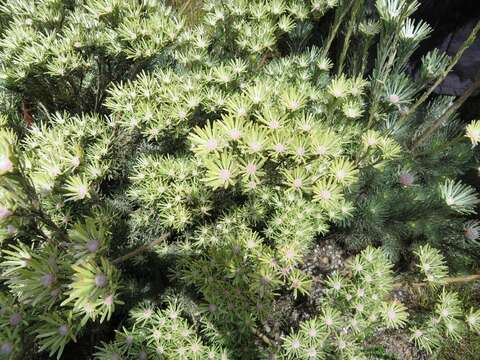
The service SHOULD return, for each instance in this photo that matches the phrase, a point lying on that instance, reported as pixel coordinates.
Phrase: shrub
(228, 148)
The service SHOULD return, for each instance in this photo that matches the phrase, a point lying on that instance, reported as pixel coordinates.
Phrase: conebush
(165, 183)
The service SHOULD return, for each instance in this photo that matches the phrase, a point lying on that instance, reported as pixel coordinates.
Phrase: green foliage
(356, 306)
(449, 319)
(431, 264)
(206, 161)
(353, 308)
(167, 333)
(64, 54)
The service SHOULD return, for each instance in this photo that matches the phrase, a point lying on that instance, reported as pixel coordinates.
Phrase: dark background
(452, 21)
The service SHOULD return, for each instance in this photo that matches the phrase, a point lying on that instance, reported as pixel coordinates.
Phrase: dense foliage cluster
(356, 306)
(171, 179)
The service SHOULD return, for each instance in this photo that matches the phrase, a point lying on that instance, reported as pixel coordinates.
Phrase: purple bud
(76, 161)
(142, 355)
(212, 307)
(92, 245)
(15, 319)
(4, 213)
(101, 280)
(54, 293)
(394, 99)
(264, 280)
(108, 300)
(471, 233)
(6, 348)
(406, 179)
(47, 280)
(114, 356)
(63, 330)
(129, 340)
(11, 229)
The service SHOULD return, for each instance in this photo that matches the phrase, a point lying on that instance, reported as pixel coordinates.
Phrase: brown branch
(27, 113)
(444, 281)
(446, 115)
(141, 249)
(262, 337)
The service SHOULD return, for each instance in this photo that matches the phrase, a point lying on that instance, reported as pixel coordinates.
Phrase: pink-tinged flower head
(4, 213)
(471, 233)
(6, 348)
(297, 183)
(251, 169)
(82, 191)
(129, 340)
(48, 280)
(108, 300)
(211, 145)
(6, 165)
(101, 280)
(325, 195)
(280, 148)
(235, 134)
(225, 174)
(63, 330)
(11, 229)
(93, 245)
(15, 319)
(406, 179)
(394, 99)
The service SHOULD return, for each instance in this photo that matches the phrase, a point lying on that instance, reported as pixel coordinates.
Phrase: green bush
(182, 175)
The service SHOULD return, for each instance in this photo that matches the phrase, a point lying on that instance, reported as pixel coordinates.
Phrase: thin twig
(363, 65)
(262, 337)
(43, 218)
(185, 6)
(335, 26)
(444, 281)
(381, 71)
(471, 38)
(37, 212)
(141, 249)
(348, 35)
(441, 147)
(446, 115)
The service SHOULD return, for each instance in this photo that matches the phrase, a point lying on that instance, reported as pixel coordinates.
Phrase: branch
(471, 38)
(262, 337)
(346, 40)
(43, 218)
(446, 115)
(35, 210)
(141, 249)
(444, 281)
(336, 25)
